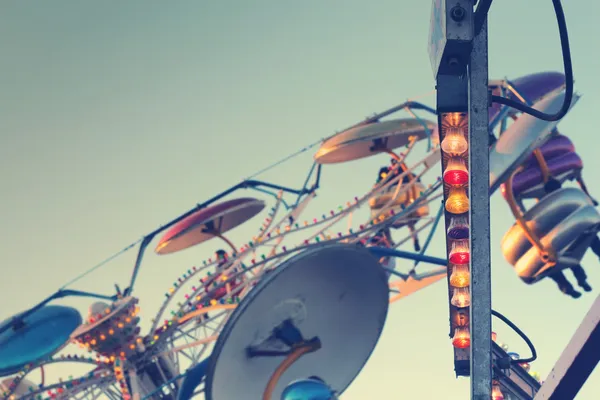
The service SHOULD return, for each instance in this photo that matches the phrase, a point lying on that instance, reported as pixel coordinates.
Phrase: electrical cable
(568, 70)
(522, 335)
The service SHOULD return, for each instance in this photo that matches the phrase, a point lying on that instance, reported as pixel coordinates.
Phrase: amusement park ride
(271, 312)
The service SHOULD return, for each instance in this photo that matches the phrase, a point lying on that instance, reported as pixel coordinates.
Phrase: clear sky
(118, 116)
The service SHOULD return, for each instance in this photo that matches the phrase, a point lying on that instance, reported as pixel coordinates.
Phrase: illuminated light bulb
(459, 228)
(454, 141)
(461, 318)
(526, 366)
(460, 277)
(456, 172)
(461, 338)
(459, 253)
(461, 298)
(496, 392)
(514, 356)
(494, 336)
(457, 202)
(535, 375)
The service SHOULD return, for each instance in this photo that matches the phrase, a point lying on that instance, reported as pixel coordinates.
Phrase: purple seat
(530, 182)
(555, 147)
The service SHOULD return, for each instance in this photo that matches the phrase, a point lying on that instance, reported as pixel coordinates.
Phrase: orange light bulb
(497, 392)
(454, 141)
(460, 318)
(457, 202)
(494, 336)
(460, 277)
(461, 338)
(456, 172)
(459, 253)
(461, 297)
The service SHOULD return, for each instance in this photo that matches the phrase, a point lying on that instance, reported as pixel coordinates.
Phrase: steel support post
(577, 360)
(481, 288)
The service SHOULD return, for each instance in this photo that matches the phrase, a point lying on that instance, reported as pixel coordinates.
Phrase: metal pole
(481, 288)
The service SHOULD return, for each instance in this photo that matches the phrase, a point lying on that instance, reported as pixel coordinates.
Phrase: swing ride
(270, 313)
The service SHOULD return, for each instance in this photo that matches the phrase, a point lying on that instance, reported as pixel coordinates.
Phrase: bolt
(453, 62)
(458, 13)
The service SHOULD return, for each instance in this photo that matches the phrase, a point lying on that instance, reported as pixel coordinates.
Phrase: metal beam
(479, 217)
(514, 381)
(577, 360)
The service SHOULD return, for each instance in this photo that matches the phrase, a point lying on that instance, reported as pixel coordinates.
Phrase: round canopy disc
(44, 332)
(205, 224)
(338, 293)
(359, 142)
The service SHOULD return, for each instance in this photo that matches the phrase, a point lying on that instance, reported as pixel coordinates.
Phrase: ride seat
(563, 163)
(564, 220)
(400, 202)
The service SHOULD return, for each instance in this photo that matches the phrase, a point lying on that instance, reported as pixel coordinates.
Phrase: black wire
(523, 336)
(568, 67)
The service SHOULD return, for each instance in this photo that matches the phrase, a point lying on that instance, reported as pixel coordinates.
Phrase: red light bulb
(456, 172)
(460, 252)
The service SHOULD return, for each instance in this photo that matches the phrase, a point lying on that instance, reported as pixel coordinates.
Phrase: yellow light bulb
(454, 142)
(457, 202)
(461, 298)
(460, 277)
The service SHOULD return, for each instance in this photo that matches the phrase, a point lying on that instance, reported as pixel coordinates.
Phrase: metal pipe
(479, 217)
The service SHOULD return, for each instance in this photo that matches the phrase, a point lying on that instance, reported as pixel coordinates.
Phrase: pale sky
(116, 117)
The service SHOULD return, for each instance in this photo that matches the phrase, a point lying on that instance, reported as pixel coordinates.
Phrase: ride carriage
(555, 233)
(397, 197)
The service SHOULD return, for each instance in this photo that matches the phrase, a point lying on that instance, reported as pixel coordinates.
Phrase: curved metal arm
(541, 160)
(288, 362)
(17, 320)
(242, 185)
(547, 255)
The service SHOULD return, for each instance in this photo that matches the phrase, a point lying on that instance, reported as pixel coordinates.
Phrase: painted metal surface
(322, 291)
(40, 335)
(373, 138)
(531, 87)
(577, 360)
(584, 221)
(208, 223)
(544, 216)
(480, 162)
(521, 138)
(530, 182)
